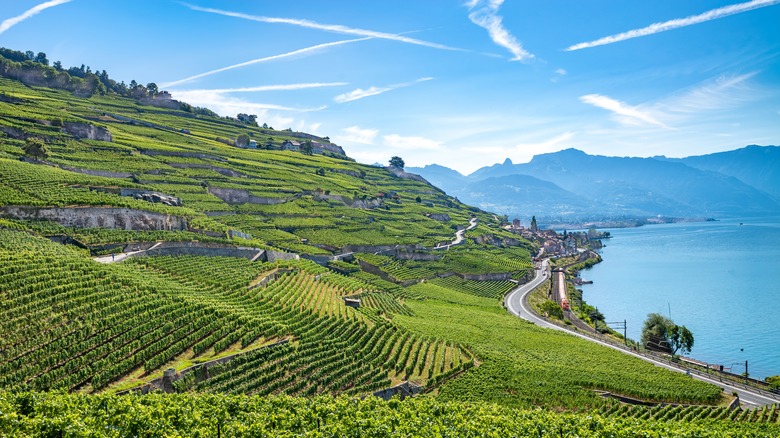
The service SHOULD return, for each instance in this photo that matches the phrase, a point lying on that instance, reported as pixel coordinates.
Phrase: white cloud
(355, 134)
(560, 72)
(219, 102)
(724, 91)
(410, 143)
(304, 51)
(35, 10)
(373, 91)
(359, 94)
(677, 23)
(483, 13)
(627, 114)
(337, 28)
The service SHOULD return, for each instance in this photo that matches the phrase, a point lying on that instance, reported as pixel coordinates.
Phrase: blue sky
(460, 83)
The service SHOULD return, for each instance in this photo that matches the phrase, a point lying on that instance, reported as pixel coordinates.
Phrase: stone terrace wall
(203, 249)
(93, 217)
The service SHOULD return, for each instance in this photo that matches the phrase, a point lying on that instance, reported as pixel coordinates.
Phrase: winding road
(517, 304)
(460, 235)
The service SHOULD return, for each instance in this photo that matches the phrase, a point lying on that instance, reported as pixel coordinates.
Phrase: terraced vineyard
(274, 326)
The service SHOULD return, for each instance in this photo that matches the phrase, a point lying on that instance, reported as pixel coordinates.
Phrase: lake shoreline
(706, 274)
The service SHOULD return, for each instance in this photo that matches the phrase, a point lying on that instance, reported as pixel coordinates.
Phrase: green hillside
(254, 260)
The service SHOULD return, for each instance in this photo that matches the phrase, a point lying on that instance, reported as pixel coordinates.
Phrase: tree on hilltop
(397, 161)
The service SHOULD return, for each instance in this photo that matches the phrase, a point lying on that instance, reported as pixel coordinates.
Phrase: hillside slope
(226, 301)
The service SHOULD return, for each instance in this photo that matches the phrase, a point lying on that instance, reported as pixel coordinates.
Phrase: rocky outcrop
(94, 217)
(162, 101)
(349, 202)
(155, 197)
(441, 217)
(400, 173)
(241, 196)
(13, 132)
(417, 256)
(86, 131)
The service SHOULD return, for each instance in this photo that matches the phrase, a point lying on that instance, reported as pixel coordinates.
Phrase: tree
(552, 309)
(306, 148)
(152, 89)
(242, 140)
(534, 227)
(662, 334)
(250, 119)
(595, 316)
(397, 161)
(681, 339)
(41, 58)
(57, 65)
(35, 148)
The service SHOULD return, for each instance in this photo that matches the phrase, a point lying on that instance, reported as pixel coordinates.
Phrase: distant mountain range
(572, 185)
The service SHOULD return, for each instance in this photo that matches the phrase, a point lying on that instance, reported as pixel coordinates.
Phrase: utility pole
(746, 372)
(621, 325)
(625, 333)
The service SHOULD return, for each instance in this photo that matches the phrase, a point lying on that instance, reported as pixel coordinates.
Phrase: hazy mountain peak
(507, 162)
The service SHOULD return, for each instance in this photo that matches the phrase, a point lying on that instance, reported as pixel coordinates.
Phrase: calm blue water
(720, 279)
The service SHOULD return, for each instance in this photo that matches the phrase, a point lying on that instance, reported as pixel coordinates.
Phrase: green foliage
(398, 162)
(36, 148)
(552, 309)
(660, 333)
(33, 414)
(681, 339)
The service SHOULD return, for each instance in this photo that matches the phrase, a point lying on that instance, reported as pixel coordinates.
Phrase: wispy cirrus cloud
(373, 91)
(484, 13)
(282, 87)
(695, 104)
(626, 114)
(724, 91)
(712, 14)
(35, 10)
(360, 93)
(337, 28)
(305, 51)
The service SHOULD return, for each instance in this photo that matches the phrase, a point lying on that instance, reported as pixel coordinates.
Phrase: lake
(720, 279)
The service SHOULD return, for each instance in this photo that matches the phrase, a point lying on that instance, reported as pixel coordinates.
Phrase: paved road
(460, 235)
(517, 304)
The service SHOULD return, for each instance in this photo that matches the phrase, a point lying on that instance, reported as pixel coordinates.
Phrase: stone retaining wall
(93, 217)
